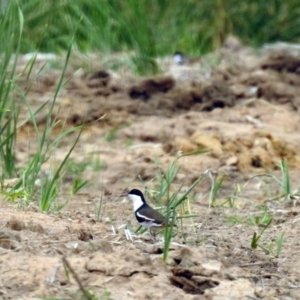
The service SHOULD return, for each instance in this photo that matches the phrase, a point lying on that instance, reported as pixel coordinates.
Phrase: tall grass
(258, 22)
(9, 111)
(155, 28)
(32, 185)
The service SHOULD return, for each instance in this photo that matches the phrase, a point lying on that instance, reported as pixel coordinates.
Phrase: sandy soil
(240, 103)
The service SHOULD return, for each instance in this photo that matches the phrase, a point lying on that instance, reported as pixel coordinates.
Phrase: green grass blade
(286, 184)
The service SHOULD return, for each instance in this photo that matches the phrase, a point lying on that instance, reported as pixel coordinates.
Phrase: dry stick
(85, 293)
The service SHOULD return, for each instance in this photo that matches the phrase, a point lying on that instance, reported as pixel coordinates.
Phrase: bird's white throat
(137, 201)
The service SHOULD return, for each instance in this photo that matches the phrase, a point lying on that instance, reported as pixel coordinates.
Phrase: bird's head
(137, 198)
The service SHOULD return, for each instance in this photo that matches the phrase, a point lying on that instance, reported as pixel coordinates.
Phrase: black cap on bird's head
(136, 192)
(178, 53)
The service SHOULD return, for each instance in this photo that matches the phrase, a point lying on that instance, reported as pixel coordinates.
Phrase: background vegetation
(156, 27)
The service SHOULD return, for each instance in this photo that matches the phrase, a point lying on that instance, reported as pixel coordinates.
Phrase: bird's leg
(152, 233)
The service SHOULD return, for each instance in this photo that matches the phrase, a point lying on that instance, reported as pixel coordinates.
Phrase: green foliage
(285, 184)
(256, 236)
(111, 135)
(32, 184)
(284, 191)
(258, 22)
(274, 247)
(99, 207)
(77, 168)
(260, 219)
(232, 198)
(152, 28)
(16, 194)
(234, 219)
(48, 185)
(79, 184)
(175, 199)
(215, 188)
(9, 110)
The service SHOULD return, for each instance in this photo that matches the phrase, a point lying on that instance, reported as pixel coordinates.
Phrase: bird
(145, 214)
(180, 59)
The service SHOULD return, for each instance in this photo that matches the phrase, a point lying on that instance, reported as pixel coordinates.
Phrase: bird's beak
(124, 195)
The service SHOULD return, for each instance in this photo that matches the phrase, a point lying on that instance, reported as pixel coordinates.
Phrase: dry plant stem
(85, 293)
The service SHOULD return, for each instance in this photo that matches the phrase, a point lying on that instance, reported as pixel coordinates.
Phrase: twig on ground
(85, 293)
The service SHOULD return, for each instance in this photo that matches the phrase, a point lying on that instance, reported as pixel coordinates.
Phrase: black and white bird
(180, 59)
(146, 215)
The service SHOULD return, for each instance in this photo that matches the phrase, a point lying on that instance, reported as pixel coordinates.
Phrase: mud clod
(148, 87)
(16, 224)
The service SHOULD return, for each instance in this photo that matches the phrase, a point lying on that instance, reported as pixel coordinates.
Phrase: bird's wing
(153, 216)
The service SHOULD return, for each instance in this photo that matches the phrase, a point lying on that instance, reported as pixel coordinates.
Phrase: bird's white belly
(150, 224)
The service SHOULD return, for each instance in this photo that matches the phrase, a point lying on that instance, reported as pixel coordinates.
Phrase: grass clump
(257, 236)
(32, 184)
(48, 184)
(175, 199)
(9, 110)
(274, 247)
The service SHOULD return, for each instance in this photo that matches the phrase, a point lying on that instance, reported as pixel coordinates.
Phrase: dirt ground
(240, 103)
